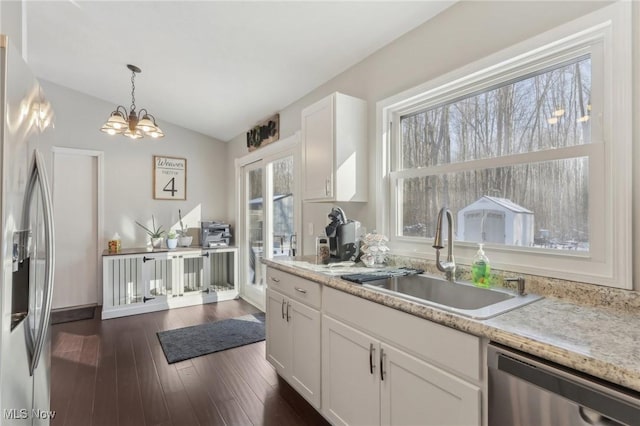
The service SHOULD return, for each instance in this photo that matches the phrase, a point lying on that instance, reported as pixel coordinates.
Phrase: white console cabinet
(334, 149)
(136, 281)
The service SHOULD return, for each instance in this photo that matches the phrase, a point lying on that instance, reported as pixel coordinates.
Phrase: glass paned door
(254, 237)
(269, 212)
(281, 211)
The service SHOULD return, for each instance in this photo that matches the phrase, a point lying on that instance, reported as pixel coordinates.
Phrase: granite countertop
(600, 341)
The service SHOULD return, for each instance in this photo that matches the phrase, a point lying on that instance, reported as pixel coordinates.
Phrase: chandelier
(134, 125)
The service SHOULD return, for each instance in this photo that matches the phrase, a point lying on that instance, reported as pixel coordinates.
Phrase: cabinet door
(350, 382)
(304, 325)
(414, 392)
(220, 270)
(317, 142)
(278, 334)
(123, 282)
(157, 276)
(192, 274)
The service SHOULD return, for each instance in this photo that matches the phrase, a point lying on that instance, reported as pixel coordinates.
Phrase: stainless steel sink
(458, 297)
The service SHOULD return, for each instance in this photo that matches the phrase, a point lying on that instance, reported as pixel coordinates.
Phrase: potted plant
(184, 240)
(172, 239)
(155, 234)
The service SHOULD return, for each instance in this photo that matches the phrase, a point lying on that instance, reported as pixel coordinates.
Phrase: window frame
(606, 36)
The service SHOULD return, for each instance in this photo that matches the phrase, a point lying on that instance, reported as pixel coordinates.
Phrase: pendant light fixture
(134, 125)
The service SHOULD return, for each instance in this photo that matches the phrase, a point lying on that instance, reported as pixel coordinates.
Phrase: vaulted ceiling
(213, 67)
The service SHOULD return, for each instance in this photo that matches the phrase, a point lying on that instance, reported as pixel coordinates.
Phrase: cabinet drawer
(450, 349)
(305, 291)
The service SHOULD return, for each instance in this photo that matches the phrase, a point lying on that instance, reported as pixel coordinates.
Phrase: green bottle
(480, 269)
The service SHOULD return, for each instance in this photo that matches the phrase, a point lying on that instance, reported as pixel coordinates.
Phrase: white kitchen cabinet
(293, 332)
(376, 369)
(143, 281)
(350, 380)
(414, 392)
(334, 149)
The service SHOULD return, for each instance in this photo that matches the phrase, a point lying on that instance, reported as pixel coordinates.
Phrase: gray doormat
(68, 315)
(190, 342)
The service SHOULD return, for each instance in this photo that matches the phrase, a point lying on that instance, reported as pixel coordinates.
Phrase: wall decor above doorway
(169, 178)
(264, 133)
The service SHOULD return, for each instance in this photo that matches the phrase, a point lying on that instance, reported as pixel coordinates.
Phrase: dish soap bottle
(480, 269)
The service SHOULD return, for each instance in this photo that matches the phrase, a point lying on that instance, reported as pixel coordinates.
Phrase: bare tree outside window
(548, 110)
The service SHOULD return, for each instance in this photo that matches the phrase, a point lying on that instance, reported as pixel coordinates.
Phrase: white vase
(172, 243)
(156, 242)
(185, 241)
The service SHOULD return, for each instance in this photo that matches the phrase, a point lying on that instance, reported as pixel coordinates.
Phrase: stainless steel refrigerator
(27, 254)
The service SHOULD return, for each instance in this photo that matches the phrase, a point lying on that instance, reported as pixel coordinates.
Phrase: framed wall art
(169, 178)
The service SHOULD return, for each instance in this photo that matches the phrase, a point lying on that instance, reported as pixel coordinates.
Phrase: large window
(530, 151)
(539, 203)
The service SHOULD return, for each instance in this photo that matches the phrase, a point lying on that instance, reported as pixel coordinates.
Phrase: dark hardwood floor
(114, 372)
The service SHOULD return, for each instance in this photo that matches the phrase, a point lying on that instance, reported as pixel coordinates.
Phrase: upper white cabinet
(334, 149)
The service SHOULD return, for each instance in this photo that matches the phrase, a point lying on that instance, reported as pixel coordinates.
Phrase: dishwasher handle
(606, 400)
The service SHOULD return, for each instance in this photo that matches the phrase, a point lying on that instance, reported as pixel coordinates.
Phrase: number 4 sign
(169, 178)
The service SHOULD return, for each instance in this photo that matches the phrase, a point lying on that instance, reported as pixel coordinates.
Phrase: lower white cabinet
(151, 281)
(293, 341)
(362, 363)
(350, 379)
(367, 381)
(415, 392)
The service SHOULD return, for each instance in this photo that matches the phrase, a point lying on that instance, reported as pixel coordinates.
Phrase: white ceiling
(214, 67)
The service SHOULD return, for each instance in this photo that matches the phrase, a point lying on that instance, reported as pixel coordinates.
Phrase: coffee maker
(343, 236)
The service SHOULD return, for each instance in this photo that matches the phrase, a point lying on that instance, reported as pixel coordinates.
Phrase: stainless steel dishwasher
(528, 391)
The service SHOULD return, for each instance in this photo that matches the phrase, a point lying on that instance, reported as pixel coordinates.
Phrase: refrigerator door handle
(38, 174)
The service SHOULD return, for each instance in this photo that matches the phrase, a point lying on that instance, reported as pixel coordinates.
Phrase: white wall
(128, 166)
(11, 14)
(464, 33)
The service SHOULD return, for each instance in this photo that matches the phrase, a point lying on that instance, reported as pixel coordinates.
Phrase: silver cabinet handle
(282, 308)
(301, 290)
(372, 353)
(327, 186)
(288, 316)
(382, 357)
(275, 280)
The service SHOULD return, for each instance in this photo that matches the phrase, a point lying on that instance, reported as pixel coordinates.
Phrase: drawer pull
(372, 353)
(288, 316)
(301, 290)
(382, 356)
(282, 308)
(275, 279)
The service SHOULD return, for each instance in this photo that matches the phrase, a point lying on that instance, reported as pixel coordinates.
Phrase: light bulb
(111, 131)
(117, 126)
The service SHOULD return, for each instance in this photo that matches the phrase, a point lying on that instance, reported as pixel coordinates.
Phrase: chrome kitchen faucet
(448, 267)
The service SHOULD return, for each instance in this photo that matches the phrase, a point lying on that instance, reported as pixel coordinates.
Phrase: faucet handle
(520, 283)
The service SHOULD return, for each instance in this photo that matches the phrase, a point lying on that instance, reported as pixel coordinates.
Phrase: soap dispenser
(480, 269)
